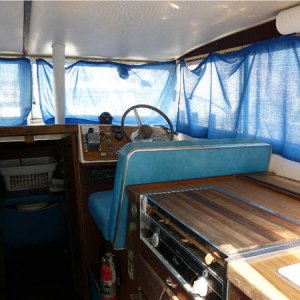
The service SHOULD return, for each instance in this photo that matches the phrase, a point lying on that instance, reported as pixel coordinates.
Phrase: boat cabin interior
(149, 150)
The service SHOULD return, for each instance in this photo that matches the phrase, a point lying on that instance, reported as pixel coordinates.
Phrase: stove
(196, 232)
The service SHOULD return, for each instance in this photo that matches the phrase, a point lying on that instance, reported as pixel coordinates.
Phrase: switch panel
(101, 142)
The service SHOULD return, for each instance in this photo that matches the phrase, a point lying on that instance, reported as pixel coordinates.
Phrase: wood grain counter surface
(224, 212)
(226, 220)
(259, 279)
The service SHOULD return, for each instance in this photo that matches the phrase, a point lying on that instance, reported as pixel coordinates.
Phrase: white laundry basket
(27, 173)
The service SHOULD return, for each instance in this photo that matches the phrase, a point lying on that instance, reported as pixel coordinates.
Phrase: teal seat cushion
(99, 205)
(141, 163)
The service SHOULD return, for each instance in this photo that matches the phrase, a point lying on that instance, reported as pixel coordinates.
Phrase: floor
(41, 272)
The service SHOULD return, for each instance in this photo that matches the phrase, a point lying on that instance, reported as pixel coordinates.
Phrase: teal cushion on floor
(99, 205)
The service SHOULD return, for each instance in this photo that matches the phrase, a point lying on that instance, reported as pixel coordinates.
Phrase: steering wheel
(146, 131)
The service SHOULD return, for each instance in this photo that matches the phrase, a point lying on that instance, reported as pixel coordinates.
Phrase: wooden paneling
(236, 294)
(110, 144)
(68, 147)
(37, 130)
(248, 36)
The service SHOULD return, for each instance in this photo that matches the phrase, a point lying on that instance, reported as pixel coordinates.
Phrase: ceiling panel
(138, 30)
(11, 27)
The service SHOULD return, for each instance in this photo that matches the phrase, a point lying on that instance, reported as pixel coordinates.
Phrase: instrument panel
(101, 142)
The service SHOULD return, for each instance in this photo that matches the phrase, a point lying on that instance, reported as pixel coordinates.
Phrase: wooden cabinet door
(150, 284)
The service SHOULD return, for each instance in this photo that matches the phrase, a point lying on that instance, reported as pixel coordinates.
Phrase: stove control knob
(200, 286)
(154, 240)
(209, 259)
(134, 210)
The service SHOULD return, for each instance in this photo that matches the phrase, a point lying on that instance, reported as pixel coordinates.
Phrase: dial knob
(119, 136)
(154, 240)
(134, 210)
(209, 259)
(200, 286)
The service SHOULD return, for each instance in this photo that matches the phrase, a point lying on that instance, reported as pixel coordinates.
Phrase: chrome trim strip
(169, 148)
(264, 250)
(175, 274)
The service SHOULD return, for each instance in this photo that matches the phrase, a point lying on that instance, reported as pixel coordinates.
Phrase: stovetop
(228, 221)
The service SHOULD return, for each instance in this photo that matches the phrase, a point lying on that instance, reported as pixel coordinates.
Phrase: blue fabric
(254, 92)
(15, 200)
(141, 163)
(23, 228)
(190, 163)
(45, 90)
(16, 91)
(95, 87)
(99, 205)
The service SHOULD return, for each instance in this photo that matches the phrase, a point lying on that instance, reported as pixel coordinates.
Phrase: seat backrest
(141, 163)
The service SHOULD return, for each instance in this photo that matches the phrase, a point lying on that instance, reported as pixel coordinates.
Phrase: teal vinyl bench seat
(100, 204)
(141, 163)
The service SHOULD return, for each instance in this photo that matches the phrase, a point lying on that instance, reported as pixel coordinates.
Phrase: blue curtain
(95, 87)
(45, 90)
(254, 92)
(15, 92)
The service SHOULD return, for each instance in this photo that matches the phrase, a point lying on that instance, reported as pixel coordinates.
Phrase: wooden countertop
(227, 221)
(259, 279)
(268, 195)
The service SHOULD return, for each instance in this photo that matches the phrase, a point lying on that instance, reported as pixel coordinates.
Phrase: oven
(182, 252)
(195, 233)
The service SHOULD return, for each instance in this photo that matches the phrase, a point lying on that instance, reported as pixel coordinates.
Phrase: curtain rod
(204, 55)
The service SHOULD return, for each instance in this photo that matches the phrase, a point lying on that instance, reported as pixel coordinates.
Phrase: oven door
(200, 281)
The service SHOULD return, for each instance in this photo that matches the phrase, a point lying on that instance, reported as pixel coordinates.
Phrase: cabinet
(147, 261)
(60, 142)
(147, 276)
(150, 284)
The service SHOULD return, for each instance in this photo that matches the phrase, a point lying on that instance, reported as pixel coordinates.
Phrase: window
(94, 87)
(15, 92)
(253, 92)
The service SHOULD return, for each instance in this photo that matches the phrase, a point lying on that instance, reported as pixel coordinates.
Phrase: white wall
(284, 167)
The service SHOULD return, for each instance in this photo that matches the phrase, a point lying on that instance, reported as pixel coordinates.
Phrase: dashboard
(101, 142)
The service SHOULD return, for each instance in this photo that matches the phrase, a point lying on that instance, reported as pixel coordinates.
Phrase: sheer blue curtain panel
(15, 92)
(95, 87)
(253, 92)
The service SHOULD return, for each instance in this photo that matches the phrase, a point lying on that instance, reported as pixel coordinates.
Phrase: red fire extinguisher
(108, 278)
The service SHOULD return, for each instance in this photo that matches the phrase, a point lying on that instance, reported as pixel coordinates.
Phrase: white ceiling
(133, 30)
(11, 27)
